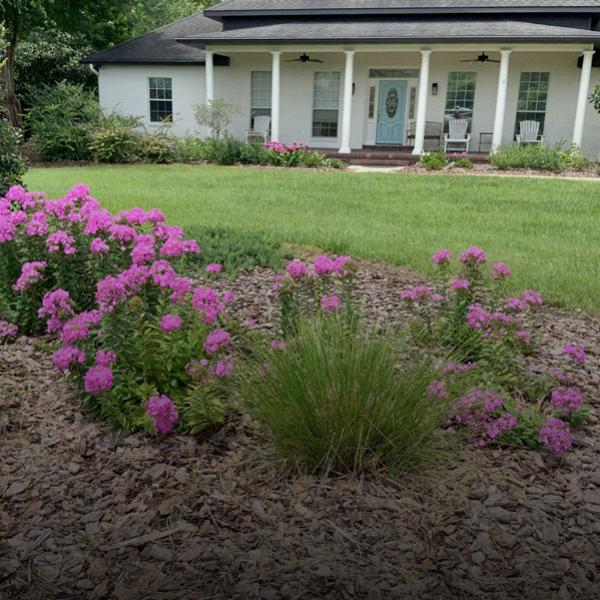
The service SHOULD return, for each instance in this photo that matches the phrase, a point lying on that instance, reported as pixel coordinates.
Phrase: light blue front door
(392, 108)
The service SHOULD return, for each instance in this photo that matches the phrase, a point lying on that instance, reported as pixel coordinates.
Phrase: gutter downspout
(93, 69)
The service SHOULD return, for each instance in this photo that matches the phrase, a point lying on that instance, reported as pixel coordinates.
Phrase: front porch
(376, 102)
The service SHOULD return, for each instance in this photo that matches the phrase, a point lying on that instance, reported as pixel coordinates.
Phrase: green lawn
(547, 230)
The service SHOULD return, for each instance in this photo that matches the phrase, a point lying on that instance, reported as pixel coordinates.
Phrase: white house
(346, 74)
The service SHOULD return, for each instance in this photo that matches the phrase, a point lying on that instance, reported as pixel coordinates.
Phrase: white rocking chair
(529, 133)
(457, 134)
(261, 128)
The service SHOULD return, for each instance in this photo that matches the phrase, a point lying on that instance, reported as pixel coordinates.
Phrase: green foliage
(335, 401)
(61, 121)
(12, 163)
(157, 148)
(225, 151)
(539, 158)
(216, 115)
(46, 57)
(461, 162)
(237, 250)
(433, 161)
(595, 98)
(115, 143)
(189, 149)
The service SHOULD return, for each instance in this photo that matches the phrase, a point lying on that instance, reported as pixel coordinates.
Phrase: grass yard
(547, 230)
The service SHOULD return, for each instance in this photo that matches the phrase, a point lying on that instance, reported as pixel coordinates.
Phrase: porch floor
(387, 156)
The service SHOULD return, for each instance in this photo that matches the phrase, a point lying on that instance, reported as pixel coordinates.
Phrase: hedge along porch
(348, 90)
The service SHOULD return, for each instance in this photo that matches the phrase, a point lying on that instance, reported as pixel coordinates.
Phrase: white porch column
(275, 94)
(422, 102)
(501, 99)
(209, 74)
(347, 106)
(584, 88)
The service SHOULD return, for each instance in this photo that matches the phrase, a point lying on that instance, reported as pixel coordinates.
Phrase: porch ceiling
(394, 31)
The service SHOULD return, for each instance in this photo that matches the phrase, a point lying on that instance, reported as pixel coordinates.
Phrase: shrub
(145, 347)
(253, 154)
(226, 151)
(335, 400)
(116, 143)
(216, 115)
(539, 158)
(236, 250)
(190, 149)
(61, 121)
(460, 161)
(433, 161)
(12, 163)
(157, 148)
(466, 314)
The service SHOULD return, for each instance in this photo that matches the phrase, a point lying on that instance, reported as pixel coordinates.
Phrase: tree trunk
(11, 102)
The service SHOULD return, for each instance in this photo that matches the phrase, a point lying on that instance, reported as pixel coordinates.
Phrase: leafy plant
(433, 161)
(539, 158)
(12, 163)
(216, 115)
(236, 250)
(460, 162)
(336, 401)
(117, 143)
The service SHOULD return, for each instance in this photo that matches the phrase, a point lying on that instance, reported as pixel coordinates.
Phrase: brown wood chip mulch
(85, 515)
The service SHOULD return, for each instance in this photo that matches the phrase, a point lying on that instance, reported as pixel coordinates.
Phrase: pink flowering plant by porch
(464, 311)
(286, 155)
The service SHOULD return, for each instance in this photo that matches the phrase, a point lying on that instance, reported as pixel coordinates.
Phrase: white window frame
(150, 100)
(268, 96)
(536, 111)
(464, 91)
(326, 138)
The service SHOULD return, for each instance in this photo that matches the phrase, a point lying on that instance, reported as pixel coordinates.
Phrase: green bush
(157, 148)
(116, 144)
(190, 149)
(317, 160)
(461, 162)
(539, 158)
(236, 250)
(433, 161)
(253, 154)
(61, 121)
(12, 163)
(226, 151)
(336, 401)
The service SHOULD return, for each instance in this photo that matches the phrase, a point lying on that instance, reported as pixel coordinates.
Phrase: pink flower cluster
(280, 148)
(416, 294)
(216, 340)
(576, 353)
(162, 412)
(209, 305)
(555, 436)
(331, 303)
(98, 379)
(473, 256)
(484, 415)
(56, 307)
(567, 399)
(8, 330)
(31, 273)
(170, 323)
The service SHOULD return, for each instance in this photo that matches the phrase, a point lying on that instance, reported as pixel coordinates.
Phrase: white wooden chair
(457, 134)
(261, 128)
(529, 133)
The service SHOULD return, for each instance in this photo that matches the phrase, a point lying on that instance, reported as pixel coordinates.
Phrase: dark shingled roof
(396, 30)
(231, 7)
(160, 45)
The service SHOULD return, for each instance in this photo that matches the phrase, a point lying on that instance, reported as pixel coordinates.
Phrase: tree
(216, 115)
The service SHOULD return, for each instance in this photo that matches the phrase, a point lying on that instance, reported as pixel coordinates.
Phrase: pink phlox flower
(458, 368)
(165, 232)
(576, 353)
(98, 246)
(123, 233)
(416, 294)
(38, 226)
(473, 256)
(162, 412)
(555, 436)
(296, 269)
(64, 358)
(97, 221)
(110, 291)
(134, 278)
(154, 215)
(74, 330)
(567, 399)
(8, 330)
(532, 297)
(169, 323)
(524, 336)
(97, 380)
(331, 303)
(461, 284)
(106, 358)
(78, 192)
(214, 268)
(501, 271)
(340, 264)
(174, 247)
(134, 216)
(56, 306)
(324, 265)
(206, 301)
(441, 257)
(216, 340)
(7, 230)
(61, 240)
(515, 304)
(278, 345)
(477, 316)
(31, 273)
(143, 251)
(223, 367)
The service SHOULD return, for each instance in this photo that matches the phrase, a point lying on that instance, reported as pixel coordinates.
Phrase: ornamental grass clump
(336, 401)
(465, 312)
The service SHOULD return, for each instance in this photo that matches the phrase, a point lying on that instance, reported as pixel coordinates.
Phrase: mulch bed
(85, 515)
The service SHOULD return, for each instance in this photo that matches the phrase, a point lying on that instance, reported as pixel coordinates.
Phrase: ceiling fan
(483, 58)
(304, 58)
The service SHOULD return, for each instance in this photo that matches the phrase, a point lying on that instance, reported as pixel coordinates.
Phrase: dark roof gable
(160, 46)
